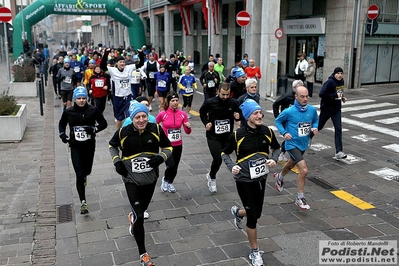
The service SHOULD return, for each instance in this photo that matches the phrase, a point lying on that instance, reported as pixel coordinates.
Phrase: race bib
(139, 165)
(68, 80)
(162, 83)
(211, 84)
(303, 129)
(124, 84)
(174, 135)
(189, 90)
(80, 133)
(258, 168)
(135, 77)
(222, 126)
(76, 69)
(99, 83)
(151, 75)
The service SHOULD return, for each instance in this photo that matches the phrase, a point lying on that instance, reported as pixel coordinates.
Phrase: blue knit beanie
(79, 92)
(136, 108)
(248, 107)
(239, 74)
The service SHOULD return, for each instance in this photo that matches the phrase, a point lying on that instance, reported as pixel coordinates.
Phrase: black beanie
(171, 96)
(141, 98)
(338, 69)
(119, 59)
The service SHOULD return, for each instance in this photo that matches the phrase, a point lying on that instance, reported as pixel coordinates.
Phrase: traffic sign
(279, 33)
(5, 14)
(243, 18)
(372, 27)
(373, 12)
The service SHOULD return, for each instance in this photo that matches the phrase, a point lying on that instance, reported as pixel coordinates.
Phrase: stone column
(253, 34)
(156, 33)
(268, 83)
(231, 37)
(168, 31)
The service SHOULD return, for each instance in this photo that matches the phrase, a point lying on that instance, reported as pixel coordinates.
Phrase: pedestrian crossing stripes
(386, 173)
(392, 147)
(366, 107)
(377, 113)
(388, 121)
(364, 138)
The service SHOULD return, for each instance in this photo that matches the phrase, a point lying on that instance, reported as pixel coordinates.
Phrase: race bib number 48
(304, 129)
(174, 135)
(222, 126)
(258, 168)
(139, 165)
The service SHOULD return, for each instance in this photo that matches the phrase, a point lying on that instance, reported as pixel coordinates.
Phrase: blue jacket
(77, 67)
(162, 80)
(298, 124)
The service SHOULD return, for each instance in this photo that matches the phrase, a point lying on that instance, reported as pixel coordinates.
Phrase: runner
(172, 120)
(84, 122)
(218, 115)
(251, 144)
(187, 84)
(299, 120)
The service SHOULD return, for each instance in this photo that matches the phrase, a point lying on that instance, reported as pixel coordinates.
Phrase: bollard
(44, 97)
(41, 96)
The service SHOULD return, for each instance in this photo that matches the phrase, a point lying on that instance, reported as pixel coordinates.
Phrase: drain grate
(64, 213)
(322, 183)
(185, 198)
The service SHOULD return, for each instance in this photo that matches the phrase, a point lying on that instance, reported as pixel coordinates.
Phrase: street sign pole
(7, 56)
(371, 29)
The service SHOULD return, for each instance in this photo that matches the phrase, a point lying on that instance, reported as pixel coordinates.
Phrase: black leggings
(82, 161)
(55, 85)
(100, 103)
(215, 147)
(187, 100)
(252, 195)
(139, 198)
(172, 163)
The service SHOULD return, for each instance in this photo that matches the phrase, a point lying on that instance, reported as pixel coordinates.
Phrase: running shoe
(282, 158)
(171, 188)
(132, 219)
(237, 218)
(164, 185)
(189, 116)
(146, 214)
(302, 204)
(84, 209)
(211, 184)
(279, 182)
(256, 257)
(109, 102)
(150, 108)
(340, 155)
(146, 260)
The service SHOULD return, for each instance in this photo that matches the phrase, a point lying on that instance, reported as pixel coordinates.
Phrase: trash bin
(282, 83)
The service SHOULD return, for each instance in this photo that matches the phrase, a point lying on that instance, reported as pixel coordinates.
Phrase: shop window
(388, 11)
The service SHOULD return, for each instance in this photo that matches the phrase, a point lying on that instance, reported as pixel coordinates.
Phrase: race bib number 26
(139, 165)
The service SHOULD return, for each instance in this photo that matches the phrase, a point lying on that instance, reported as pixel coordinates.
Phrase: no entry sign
(243, 18)
(5, 14)
(373, 12)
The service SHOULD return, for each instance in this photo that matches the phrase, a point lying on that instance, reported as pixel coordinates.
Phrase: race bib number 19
(258, 168)
(304, 129)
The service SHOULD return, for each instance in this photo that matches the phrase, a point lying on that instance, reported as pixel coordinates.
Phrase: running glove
(64, 137)
(120, 168)
(155, 161)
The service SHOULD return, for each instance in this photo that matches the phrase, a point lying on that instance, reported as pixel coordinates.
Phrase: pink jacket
(172, 121)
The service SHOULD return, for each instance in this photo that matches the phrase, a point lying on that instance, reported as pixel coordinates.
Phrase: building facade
(333, 32)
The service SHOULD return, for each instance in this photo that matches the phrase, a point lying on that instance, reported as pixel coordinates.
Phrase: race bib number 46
(258, 168)
(222, 126)
(304, 129)
(81, 134)
(139, 165)
(174, 135)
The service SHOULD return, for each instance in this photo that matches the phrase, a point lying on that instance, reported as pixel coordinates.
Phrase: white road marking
(388, 121)
(332, 129)
(350, 159)
(386, 173)
(358, 102)
(377, 113)
(319, 147)
(364, 138)
(392, 147)
(372, 127)
(366, 107)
